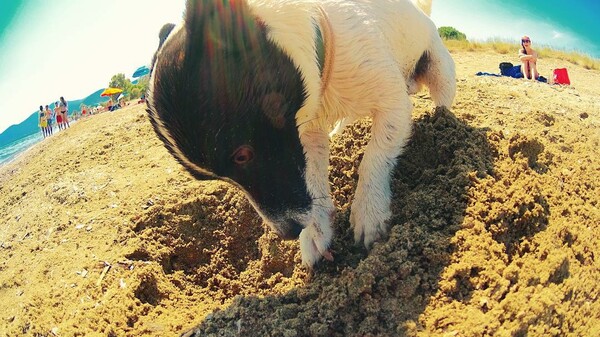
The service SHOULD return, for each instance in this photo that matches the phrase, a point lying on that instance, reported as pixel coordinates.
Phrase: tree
(120, 81)
(451, 33)
(130, 90)
(142, 85)
(135, 92)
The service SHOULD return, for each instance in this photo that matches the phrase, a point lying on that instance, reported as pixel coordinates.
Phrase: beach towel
(481, 73)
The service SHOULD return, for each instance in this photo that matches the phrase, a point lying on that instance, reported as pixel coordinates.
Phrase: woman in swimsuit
(528, 57)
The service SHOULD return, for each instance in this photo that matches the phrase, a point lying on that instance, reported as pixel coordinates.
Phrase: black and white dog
(247, 91)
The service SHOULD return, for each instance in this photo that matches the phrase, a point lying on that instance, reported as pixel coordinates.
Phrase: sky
(72, 48)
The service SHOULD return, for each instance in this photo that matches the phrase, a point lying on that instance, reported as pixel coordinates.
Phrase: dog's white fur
(376, 47)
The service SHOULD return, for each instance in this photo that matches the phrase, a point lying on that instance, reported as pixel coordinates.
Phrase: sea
(11, 150)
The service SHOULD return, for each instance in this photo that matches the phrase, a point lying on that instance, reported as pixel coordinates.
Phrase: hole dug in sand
(207, 249)
(216, 231)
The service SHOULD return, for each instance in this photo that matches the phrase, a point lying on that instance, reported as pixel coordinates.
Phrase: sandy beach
(494, 230)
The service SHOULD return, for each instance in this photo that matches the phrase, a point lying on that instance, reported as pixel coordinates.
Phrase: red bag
(561, 76)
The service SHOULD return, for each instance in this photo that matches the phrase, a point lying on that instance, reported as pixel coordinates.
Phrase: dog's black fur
(223, 100)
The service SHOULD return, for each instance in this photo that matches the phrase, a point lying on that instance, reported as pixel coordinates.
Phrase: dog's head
(223, 99)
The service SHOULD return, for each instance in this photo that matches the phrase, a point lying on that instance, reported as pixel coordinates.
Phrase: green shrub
(135, 93)
(451, 33)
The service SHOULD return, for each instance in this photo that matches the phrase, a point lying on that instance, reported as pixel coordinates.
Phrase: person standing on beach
(43, 121)
(64, 110)
(59, 119)
(50, 118)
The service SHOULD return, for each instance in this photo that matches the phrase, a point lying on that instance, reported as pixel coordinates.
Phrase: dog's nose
(291, 230)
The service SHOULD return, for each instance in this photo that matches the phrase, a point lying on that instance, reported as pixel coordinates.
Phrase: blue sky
(71, 48)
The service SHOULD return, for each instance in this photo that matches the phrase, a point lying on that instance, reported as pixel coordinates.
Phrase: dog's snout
(290, 230)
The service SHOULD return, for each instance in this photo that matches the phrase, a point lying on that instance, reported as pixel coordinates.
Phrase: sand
(494, 230)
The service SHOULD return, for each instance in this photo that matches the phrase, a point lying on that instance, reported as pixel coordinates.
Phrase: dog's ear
(162, 37)
(274, 107)
(218, 25)
(164, 33)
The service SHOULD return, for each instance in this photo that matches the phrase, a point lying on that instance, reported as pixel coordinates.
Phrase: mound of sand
(494, 231)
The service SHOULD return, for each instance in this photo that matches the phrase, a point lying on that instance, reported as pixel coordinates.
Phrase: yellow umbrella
(111, 91)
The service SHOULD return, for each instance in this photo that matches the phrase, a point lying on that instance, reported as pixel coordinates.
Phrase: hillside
(494, 231)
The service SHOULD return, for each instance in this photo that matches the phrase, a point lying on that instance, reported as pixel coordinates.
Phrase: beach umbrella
(141, 71)
(111, 91)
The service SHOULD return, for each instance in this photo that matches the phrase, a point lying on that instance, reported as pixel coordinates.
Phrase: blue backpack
(508, 69)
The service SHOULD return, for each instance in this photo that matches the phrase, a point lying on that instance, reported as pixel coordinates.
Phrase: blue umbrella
(141, 71)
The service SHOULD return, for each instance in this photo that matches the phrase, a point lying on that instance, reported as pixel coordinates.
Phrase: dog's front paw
(314, 243)
(369, 218)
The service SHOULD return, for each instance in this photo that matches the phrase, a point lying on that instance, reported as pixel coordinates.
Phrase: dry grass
(504, 47)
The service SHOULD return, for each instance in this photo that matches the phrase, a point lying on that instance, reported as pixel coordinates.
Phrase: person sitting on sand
(528, 57)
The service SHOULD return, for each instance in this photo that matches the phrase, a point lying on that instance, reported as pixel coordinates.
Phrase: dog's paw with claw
(314, 244)
(368, 218)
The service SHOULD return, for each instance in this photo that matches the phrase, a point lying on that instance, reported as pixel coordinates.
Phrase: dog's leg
(316, 237)
(389, 134)
(440, 76)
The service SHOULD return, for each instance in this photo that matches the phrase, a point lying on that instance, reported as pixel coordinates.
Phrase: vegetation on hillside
(130, 90)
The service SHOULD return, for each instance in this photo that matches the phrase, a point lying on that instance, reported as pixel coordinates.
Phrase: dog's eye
(244, 154)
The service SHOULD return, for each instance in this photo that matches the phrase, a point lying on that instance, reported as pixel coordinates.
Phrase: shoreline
(56, 133)
(29, 148)
(18, 153)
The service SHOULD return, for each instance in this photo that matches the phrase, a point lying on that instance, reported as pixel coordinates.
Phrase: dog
(247, 91)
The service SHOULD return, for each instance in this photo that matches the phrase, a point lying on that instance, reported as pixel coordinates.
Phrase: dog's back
(424, 5)
(370, 38)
